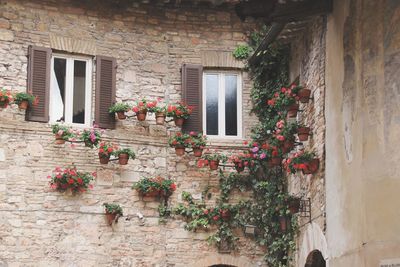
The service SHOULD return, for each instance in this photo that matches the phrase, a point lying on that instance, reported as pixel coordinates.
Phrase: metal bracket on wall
(305, 209)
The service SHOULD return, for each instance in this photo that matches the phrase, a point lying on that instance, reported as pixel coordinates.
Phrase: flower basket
(179, 121)
(214, 164)
(23, 105)
(141, 115)
(304, 95)
(303, 133)
(121, 115)
(198, 152)
(160, 118)
(292, 110)
(311, 167)
(59, 139)
(180, 150)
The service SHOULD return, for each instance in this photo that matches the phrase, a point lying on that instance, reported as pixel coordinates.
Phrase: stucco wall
(39, 227)
(362, 129)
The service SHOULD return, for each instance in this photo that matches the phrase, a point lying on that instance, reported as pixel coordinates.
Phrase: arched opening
(315, 259)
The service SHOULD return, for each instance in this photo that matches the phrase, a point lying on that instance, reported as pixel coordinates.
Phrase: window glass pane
(78, 111)
(58, 90)
(231, 127)
(212, 104)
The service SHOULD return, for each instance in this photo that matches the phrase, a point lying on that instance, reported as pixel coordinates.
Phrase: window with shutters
(70, 89)
(222, 104)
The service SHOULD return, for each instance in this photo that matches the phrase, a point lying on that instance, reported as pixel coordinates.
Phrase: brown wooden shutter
(106, 68)
(39, 59)
(192, 77)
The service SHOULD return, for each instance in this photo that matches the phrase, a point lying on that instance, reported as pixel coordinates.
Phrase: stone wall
(39, 227)
(308, 63)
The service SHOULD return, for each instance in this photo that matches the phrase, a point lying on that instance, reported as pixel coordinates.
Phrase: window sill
(226, 142)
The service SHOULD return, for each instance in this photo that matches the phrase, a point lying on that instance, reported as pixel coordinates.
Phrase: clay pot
(160, 118)
(304, 95)
(214, 164)
(284, 223)
(59, 139)
(287, 146)
(179, 121)
(23, 105)
(312, 167)
(123, 159)
(292, 110)
(103, 159)
(275, 161)
(294, 205)
(141, 115)
(180, 151)
(303, 133)
(239, 167)
(110, 218)
(121, 115)
(197, 151)
(152, 193)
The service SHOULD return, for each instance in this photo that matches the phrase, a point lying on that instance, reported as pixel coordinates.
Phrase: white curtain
(56, 103)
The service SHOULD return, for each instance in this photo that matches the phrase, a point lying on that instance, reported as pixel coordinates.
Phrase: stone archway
(220, 260)
(313, 240)
(315, 259)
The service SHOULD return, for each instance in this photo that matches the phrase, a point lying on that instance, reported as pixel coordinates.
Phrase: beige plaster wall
(362, 130)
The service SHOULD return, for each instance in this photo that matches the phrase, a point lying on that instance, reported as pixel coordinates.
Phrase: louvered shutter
(105, 91)
(39, 82)
(192, 95)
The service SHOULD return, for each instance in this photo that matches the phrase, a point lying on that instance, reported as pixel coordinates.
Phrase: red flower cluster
(106, 149)
(70, 178)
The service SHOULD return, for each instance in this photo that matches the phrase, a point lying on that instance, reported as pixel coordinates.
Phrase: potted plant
(124, 155)
(91, 137)
(119, 109)
(180, 142)
(241, 160)
(212, 160)
(180, 112)
(285, 134)
(71, 179)
(198, 143)
(5, 98)
(23, 100)
(303, 133)
(303, 94)
(157, 186)
(62, 133)
(302, 160)
(160, 111)
(141, 108)
(113, 212)
(105, 151)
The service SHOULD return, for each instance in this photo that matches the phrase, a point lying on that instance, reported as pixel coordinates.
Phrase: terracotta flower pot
(197, 151)
(160, 118)
(152, 193)
(121, 115)
(312, 167)
(123, 159)
(303, 133)
(275, 161)
(110, 218)
(141, 115)
(292, 110)
(103, 159)
(59, 139)
(239, 166)
(214, 164)
(284, 223)
(287, 146)
(23, 105)
(294, 205)
(180, 151)
(179, 121)
(304, 95)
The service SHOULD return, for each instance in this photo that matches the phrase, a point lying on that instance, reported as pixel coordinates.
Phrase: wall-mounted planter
(59, 139)
(123, 158)
(303, 133)
(23, 105)
(304, 95)
(179, 121)
(292, 110)
(214, 164)
(287, 146)
(121, 115)
(179, 151)
(104, 159)
(312, 167)
(141, 115)
(198, 152)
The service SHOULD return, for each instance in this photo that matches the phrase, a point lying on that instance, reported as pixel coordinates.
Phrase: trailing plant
(298, 161)
(70, 178)
(63, 132)
(159, 185)
(31, 99)
(180, 110)
(242, 52)
(119, 107)
(113, 208)
(91, 137)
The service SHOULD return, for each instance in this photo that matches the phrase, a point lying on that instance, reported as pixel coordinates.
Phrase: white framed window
(71, 90)
(222, 104)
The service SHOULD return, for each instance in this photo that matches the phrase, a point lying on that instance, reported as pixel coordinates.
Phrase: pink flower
(280, 137)
(263, 156)
(254, 149)
(60, 132)
(135, 109)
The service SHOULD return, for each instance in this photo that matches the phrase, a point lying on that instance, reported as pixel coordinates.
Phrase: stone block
(105, 177)
(6, 35)
(2, 155)
(129, 176)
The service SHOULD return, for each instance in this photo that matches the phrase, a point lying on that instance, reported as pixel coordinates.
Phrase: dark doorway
(315, 259)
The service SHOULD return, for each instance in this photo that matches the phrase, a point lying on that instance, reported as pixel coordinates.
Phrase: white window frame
(69, 87)
(221, 104)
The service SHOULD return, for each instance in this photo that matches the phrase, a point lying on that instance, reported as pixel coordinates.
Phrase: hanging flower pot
(311, 167)
(303, 133)
(123, 159)
(23, 104)
(294, 205)
(103, 158)
(292, 110)
(110, 218)
(239, 166)
(113, 212)
(304, 95)
(214, 164)
(197, 151)
(141, 115)
(287, 146)
(152, 193)
(180, 150)
(59, 139)
(160, 118)
(275, 161)
(121, 115)
(284, 223)
(179, 121)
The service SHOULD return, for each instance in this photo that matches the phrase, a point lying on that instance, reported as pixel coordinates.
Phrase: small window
(222, 104)
(71, 90)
